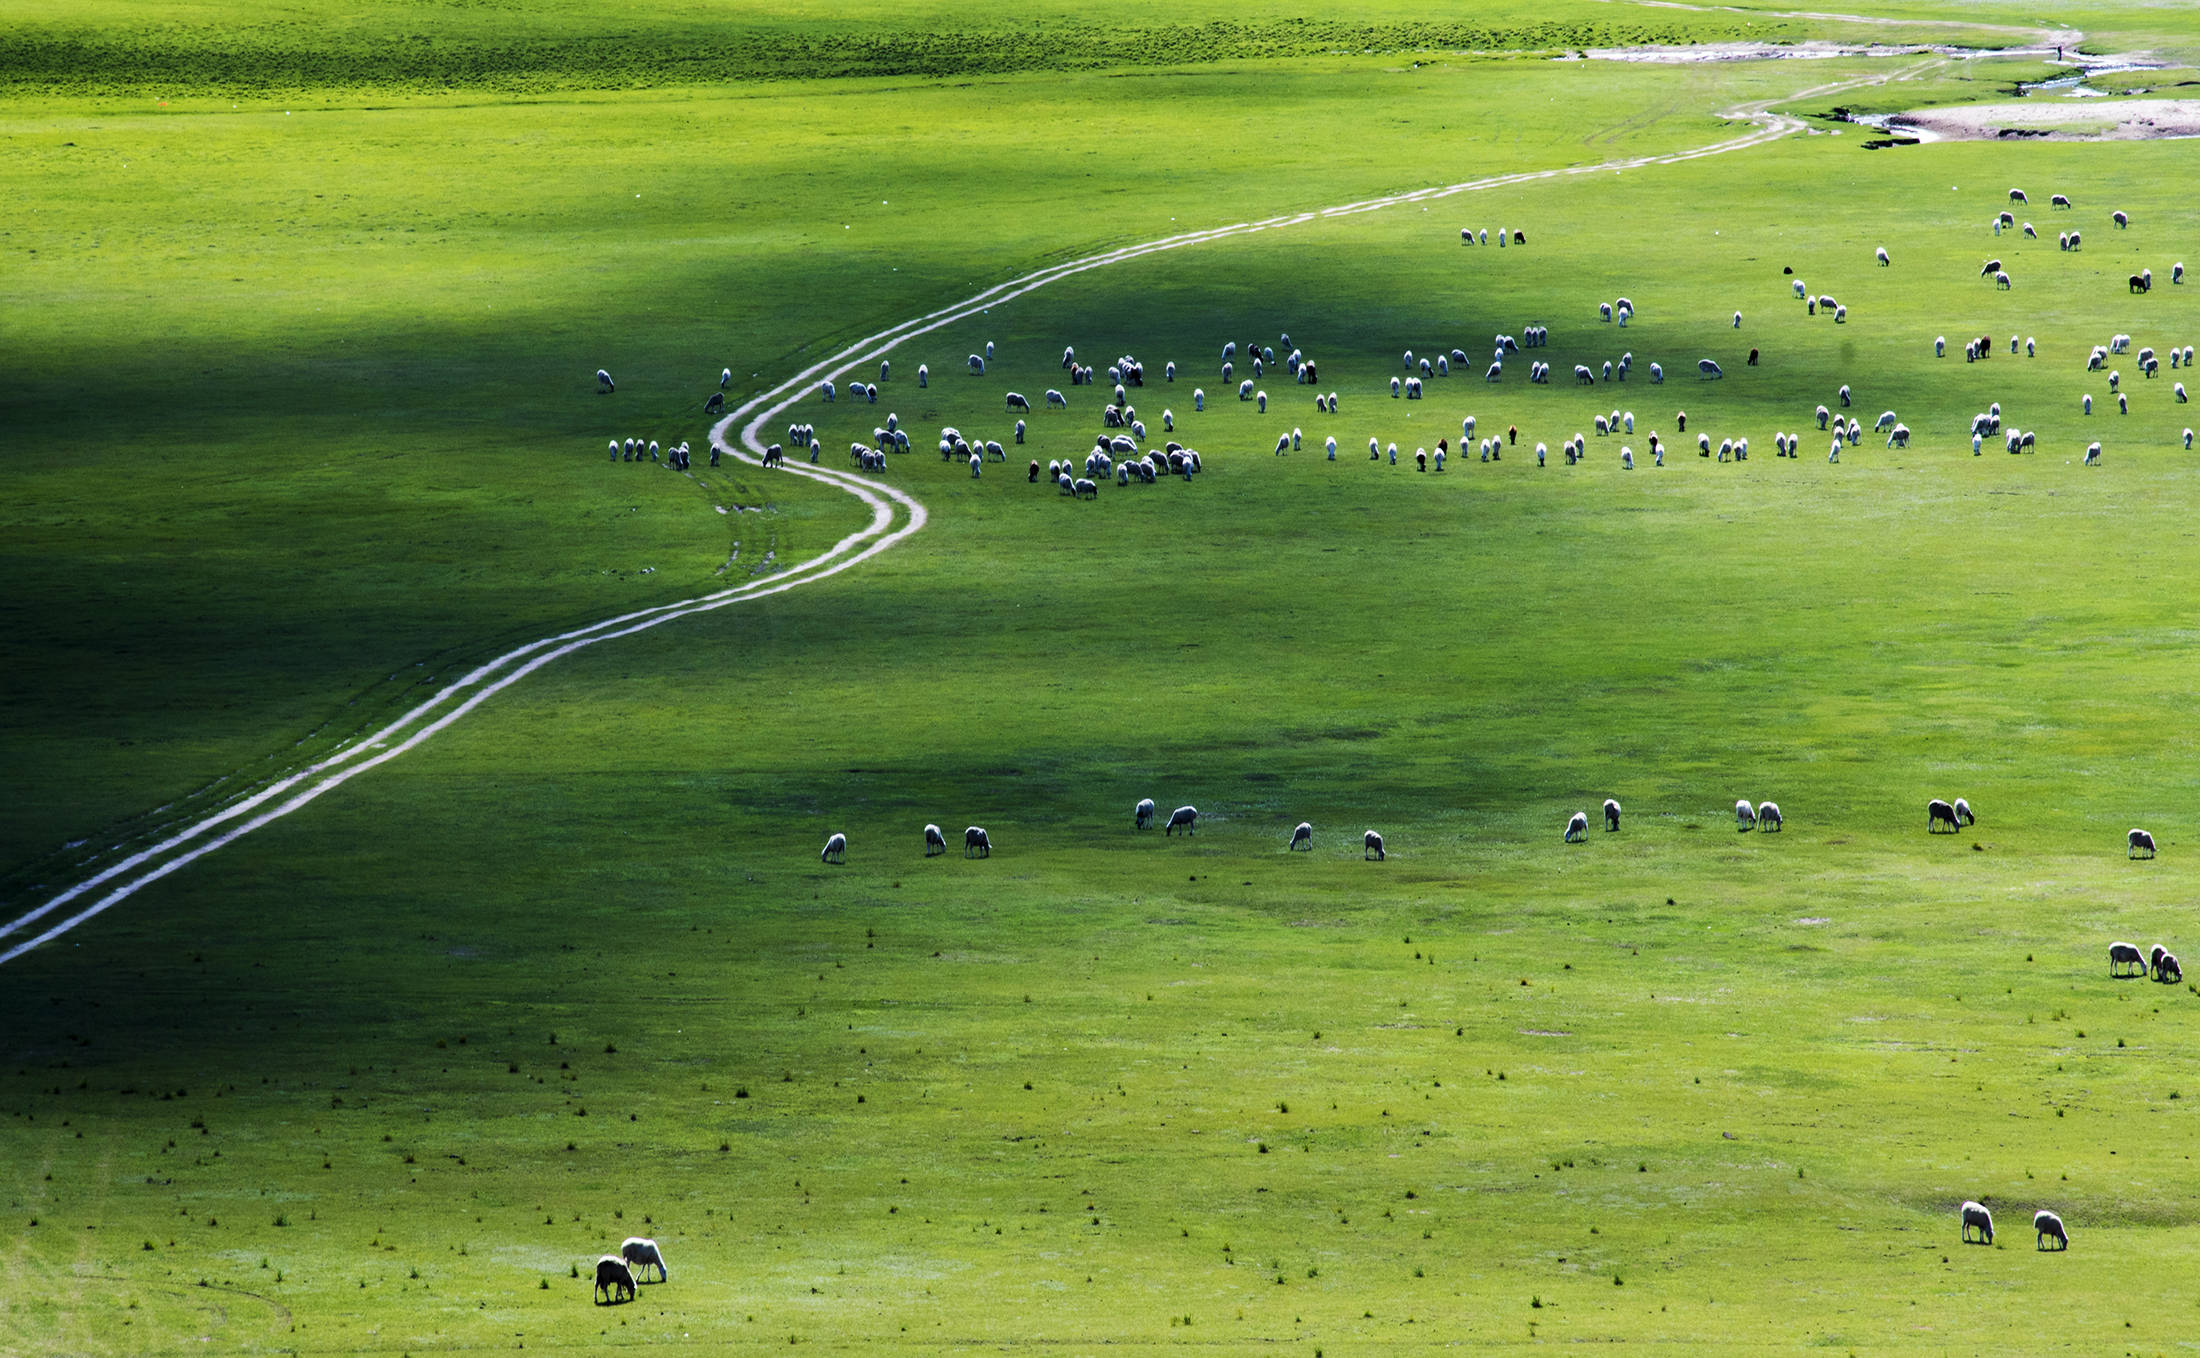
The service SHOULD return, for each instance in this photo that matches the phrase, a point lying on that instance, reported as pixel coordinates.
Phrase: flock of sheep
(615, 1273)
(1118, 453)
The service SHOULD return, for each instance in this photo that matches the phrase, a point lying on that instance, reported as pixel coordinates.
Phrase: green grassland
(381, 1077)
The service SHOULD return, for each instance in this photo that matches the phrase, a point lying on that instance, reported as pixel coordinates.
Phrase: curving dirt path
(87, 899)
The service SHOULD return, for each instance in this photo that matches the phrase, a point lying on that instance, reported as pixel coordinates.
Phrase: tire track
(93, 896)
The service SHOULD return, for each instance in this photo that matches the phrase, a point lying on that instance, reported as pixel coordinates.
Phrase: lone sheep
(603, 381)
(641, 1252)
(2046, 1226)
(1371, 847)
(614, 1280)
(835, 851)
(2137, 840)
(1303, 835)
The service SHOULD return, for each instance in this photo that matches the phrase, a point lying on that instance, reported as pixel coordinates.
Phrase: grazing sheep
(2077, 238)
(2046, 1225)
(2058, 201)
(1937, 813)
(2126, 955)
(1840, 315)
(836, 850)
(1962, 811)
(2029, 233)
(2166, 969)
(2001, 281)
(1977, 1218)
(1708, 368)
(1577, 829)
(1017, 401)
(2120, 219)
(924, 375)
(1737, 320)
(1899, 437)
(976, 844)
(1745, 815)
(1142, 814)
(977, 365)
(1304, 834)
(1185, 816)
(2017, 196)
(1768, 817)
(1657, 374)
(2092, 455)
(1604, 310)
(1940, 347)
(977, 465)
(716, 403)
(614, 1280)
(603, 382)
(2188, 440)
(2137, 840)
(641, 1252)
(1371, 846)
(1990, 268)
(1611, 814)
(1881, 252)
(2177, 390)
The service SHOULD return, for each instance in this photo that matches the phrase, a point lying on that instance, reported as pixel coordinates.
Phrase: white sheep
(1899, 437)
(1304, 834)
(1745, 815)
(603, 381)
(1371, 846)
(1627, 459)
(2092, 455)
(1881, 252)
(935, 843)
(1577, 829)
(976, 843)
(1185, 816)
(2046, 1225)
(1199, 399)
(1737, 320)
(1768, 817)
(1940, 346)
(2120, 219)
(2122, 955)
(1657, 374)
(641, 1252)
(1017, 401)
(1977, 1218)
(1708, 368)
(2137, 840)
(836, 850)
(1142, 814)
(977, 365)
